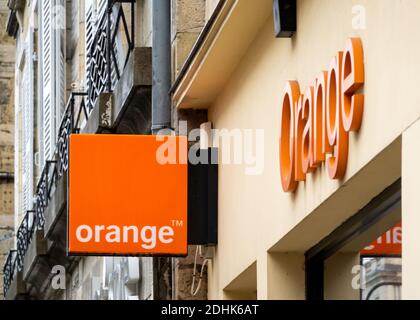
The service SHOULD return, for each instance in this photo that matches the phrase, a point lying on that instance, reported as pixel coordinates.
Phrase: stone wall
(7, 58)
(188, 18)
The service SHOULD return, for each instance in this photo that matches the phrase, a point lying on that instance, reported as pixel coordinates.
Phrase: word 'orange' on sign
(315, 123)
(123, 200)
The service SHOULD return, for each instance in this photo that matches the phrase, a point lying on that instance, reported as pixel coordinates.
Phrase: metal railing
(24, 237)
(9, 270)
(44, 191)
(73, 119)
(111, 48)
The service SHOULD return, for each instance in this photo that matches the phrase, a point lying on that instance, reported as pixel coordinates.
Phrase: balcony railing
(9, 270)
(112, 46)
(44, 191)
(24, 236)
(73, 120)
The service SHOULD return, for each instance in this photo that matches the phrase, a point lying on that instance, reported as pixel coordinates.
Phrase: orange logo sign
(122, 200)
(315, 123)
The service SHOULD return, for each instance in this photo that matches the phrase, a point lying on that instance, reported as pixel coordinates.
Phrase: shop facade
(310, 243)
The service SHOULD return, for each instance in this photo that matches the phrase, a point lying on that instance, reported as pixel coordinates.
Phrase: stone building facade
(7, 58)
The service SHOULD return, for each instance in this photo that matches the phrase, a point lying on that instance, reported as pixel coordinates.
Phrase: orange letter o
(291, 96)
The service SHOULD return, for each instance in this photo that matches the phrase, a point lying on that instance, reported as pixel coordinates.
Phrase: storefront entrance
(361, 259)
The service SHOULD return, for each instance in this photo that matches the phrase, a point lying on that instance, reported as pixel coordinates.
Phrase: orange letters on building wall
(124, 199)
(316, 122)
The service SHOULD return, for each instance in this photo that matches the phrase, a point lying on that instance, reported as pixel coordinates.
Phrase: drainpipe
(161, 65)
(161, 102)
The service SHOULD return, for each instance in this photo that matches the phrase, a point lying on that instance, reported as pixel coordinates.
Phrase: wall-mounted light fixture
(284, 18)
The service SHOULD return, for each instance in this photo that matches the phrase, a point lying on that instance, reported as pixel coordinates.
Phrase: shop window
(381, 267)
(381, 278)
(362, 258)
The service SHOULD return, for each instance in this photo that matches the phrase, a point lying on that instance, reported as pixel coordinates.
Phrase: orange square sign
(127, 195)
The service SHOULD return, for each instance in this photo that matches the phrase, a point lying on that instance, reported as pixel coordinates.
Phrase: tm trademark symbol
(177, 223)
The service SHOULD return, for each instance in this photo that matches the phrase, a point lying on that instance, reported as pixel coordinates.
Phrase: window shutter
(27, 103)
(52, 24)
(47, 81)
(60, 62)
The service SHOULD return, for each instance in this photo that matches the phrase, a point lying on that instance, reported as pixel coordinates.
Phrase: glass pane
(381, 267)
(381, 279)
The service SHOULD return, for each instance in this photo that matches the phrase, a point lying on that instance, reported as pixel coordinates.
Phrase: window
(361, 259)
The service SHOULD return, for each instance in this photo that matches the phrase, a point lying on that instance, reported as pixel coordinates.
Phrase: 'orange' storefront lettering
(315, 123)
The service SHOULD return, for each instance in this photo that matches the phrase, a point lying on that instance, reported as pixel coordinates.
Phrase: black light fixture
(284, 18)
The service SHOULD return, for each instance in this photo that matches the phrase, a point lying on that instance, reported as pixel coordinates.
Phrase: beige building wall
(338, 276)
(267, 218)
(287, 277)
(7, 58)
